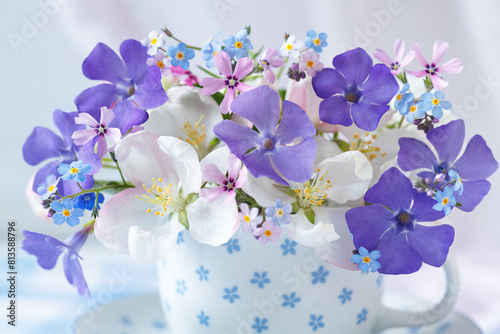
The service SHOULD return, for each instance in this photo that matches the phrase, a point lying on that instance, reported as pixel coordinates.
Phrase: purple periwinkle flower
(43, 144)
(268, 151)
(48, 249)
(390, 225)
(100, 129)
(474, 166)
(130, 86)
(354, 90)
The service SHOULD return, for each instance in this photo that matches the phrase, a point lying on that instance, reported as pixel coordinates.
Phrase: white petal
(212, 223)
(350, 174)
(185, 161)
(325, 149)
(141, 159)
(154, 244)
(218, 158)
(319, 233)
(338, 252)
(265, 191)
(184, 104)
(121, 212)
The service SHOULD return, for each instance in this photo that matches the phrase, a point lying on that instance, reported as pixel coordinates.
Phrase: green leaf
(310, 215)
(192, 198)
(295, 207)
(282, 93)
(343, 145)
(291, 193)
(183, 218)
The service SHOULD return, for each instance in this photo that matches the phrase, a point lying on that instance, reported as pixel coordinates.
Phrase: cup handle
(389, 317)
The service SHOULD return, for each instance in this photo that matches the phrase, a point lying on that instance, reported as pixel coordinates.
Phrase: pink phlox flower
(186, 76)
(231, 81)
(161, 61)
(452, 66)
(99, 129)
(310, 63)
(396, 64)
(248, 217)
(268, 232)
(235, 179)
(270, 59)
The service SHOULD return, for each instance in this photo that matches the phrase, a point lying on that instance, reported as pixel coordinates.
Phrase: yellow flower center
(435, 102)
(399, 97)
(395, 67)
(366, 259)
(365, 145)
(279, 212)
(289, 47)
(195, 135)
(160, 64)
(310, 63)
(445, 201)
(163, 197)
(66, 213)
(153, 41)
(413, 109)
(74, 170)
(179, 55)
(268, 233)
(317, 41)
(238, 45)
(313, 192)
(51, 188)
(215, 53)
(247, 219)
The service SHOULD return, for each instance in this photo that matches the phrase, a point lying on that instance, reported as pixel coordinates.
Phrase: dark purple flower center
(431, 69)
(228, 185)
(404, 222)
(352, 94)
(441, 168)
(231, 82)
(101, 130)
(265, 63)
(395, 66)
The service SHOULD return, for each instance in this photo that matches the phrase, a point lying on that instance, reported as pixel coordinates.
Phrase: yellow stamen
(66, 213)
(154, 41)
(51, 188)
(313, 192)
(163, 197)
(445, 201)
(413, 109)
(317, 41)
(435, 102)
(238, 45)
(366, 259)
(399, 97)
(179, 55)
(289, 47)
(247, 219)
(268, 233)
(160, 64)
(194, 137)
(74, 170)
(310, 63)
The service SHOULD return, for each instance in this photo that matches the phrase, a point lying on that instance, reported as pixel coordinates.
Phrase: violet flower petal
(414, 154)
(128, 115)
(303, 160)
(93, 98)
(397, 256)
(294, 124)
(329, 82)
(259, 164)
(367, 224)
(264, 99)
(432, 243)
(42, 144)
(366, 115)
(104, 64)
(422, 210)
(35, 244)
(380, 87)
(238, 138)
(477, 162)
(335, 110)
(65, 123)
(448, 140)
(135, 55)
(149, 93)
(393, 190)
(474, 192)
(355, 65)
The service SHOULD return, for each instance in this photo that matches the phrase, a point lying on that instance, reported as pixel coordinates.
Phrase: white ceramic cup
(243, 287)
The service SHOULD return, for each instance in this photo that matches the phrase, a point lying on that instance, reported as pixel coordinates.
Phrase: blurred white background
(43, 44)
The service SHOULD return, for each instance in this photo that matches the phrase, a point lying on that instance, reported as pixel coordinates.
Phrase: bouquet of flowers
(357, 161)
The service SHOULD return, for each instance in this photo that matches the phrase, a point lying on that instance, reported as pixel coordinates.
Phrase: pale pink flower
(248, 217)
(451, 66)
(161, 61)
(310, 63)
(270, 59)
(227, 185)
(99, 129)
(268, 232)
(399, 61)
(231, 80)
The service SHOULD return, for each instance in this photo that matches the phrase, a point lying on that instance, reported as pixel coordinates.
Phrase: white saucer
(143, 315)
